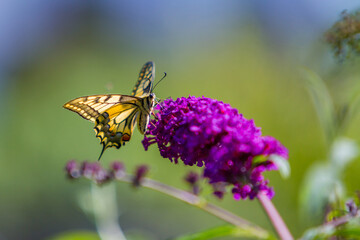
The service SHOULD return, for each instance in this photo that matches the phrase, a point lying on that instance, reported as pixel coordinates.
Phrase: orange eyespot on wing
(144, 85)
(125, 138)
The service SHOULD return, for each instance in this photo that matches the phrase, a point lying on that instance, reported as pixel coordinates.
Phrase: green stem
(201, 203)
(104, 207)
(274, 217)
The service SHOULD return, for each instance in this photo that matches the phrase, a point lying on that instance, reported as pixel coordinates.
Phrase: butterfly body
(115, 115)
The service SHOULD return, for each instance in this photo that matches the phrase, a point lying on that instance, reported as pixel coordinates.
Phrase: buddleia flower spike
(209, 133)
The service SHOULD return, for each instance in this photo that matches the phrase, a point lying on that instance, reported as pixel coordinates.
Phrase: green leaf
(323, 103)
(320, 181)
(282, 164)
(323, 184)
(227, 231)
(76, 235)
(318, 233)
(342, 152)
(334, 214)
(347, 231)
(351, 108)
(259, 159)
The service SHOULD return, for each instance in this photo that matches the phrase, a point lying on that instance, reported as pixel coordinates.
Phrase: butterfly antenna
(102, 151)
(160, 80)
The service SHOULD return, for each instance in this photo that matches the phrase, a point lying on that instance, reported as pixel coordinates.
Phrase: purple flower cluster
(94, 171)
(206, 132)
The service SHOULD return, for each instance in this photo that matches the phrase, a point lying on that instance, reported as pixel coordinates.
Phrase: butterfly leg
(152, 113)
(153, 124)
(158, 103)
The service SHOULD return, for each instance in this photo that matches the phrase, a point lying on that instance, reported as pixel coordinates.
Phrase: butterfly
(115, 115)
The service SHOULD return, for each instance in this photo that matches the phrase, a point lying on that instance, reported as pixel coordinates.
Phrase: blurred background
(246, 53)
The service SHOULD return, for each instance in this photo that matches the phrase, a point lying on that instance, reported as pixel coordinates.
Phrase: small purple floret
(210, 133)
(118, 169)
(93, 170)
(140, 173)
(192, 178)
(351, 207)
(72, 169)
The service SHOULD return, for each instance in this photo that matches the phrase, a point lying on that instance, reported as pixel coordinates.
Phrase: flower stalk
(275, 218)
(196, 201)
(99, 175)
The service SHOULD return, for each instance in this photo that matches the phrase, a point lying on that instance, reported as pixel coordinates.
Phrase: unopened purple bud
(72, 169)
(117, 166)
(219, 189)
(192, 178)
(102, 176)
(351, 207)
(140, 173)
(118, 169)
(89, 169)
(219, 194)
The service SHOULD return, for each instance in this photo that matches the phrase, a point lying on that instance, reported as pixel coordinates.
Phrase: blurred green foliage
(343, 36)
(225, 231)
(80, 235)
(39, 137)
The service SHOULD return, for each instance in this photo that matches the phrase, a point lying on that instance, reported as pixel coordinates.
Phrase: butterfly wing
(115, 126)
(90, 107)
(144, 85)
(114, 116)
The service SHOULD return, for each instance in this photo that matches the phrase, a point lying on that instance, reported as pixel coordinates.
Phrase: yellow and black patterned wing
(144, 85)
(114, 116)
(115, 126)
(90, 107)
